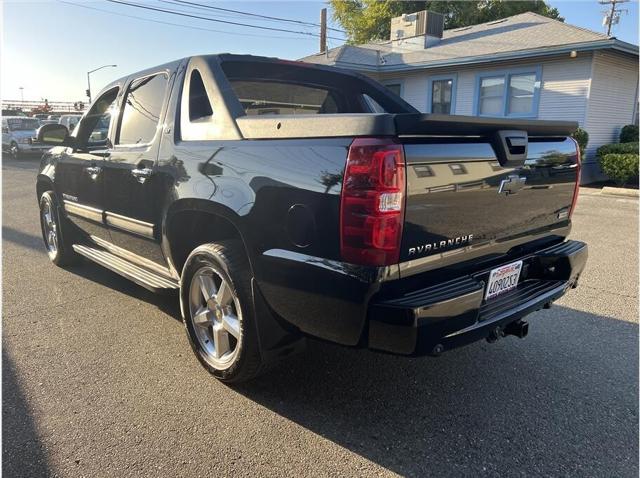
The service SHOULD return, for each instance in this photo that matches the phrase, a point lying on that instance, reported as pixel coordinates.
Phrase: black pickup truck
(287, 200)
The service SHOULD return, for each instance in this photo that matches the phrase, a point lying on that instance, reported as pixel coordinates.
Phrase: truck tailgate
(461, 193)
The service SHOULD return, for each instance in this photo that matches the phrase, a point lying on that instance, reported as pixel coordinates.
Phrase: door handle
(142, 174)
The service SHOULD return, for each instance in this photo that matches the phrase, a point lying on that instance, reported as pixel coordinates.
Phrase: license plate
(503, 279)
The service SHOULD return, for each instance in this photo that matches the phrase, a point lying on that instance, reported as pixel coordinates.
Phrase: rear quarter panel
(284, 197)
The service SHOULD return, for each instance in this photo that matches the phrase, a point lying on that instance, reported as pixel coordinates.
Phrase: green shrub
(620, 167)
(582, 138)
(617, 148)
(629, 134)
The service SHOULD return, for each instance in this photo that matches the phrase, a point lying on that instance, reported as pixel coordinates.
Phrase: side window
(93, 130)
(141, 110)
(199, 104)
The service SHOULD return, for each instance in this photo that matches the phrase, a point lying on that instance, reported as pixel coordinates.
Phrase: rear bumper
(453, 314)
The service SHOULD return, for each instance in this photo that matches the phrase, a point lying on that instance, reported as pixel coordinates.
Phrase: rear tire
(56, 232)
(218, 313)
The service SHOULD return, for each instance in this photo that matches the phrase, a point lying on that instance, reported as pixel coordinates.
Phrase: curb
(626, 192)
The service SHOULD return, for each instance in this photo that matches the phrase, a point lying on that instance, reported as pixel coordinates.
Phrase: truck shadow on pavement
(22, 451)
(563, 401)
(167, 302)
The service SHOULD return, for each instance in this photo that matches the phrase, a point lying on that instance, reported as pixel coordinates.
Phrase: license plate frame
(503, 279)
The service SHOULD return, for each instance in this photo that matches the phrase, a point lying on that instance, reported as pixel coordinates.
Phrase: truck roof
(228, 57)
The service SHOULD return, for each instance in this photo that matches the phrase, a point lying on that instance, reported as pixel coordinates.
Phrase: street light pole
(21, 93)
(89, 79)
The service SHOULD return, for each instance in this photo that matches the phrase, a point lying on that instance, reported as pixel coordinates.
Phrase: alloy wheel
(49, 228)
(215, 315)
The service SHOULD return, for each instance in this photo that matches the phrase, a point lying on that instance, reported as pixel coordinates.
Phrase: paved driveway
(99, 380)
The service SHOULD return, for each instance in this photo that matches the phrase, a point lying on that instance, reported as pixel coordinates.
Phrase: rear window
(289, 88)
(23, 124)
(274, 98)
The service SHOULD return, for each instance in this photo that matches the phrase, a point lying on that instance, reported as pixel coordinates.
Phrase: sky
(49, 45)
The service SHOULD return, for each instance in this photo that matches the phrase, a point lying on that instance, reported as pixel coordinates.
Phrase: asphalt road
(99, 380)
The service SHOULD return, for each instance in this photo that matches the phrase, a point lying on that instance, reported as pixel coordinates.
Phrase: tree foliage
(582, 138)
(366, 20)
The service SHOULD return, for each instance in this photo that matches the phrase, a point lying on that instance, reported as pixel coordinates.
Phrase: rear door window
(141, 110)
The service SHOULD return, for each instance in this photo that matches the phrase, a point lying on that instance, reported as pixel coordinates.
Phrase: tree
(366, 20)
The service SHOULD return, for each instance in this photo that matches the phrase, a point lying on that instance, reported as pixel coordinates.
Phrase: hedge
(629, 134)
(620, 167)
(617, 148)
(582, 138)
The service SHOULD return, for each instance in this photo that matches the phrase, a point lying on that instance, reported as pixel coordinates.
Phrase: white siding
(414, 87)
(612, 98)
(565, 88)
(565, 85)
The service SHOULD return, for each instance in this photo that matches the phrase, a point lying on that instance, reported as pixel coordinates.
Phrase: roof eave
(612, 43)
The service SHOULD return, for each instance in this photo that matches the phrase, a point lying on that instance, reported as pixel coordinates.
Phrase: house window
(521, 91)
(441, 95)
(508, 94)
(395, 88)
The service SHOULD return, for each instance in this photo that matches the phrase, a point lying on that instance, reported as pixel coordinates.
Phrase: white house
(526, 66)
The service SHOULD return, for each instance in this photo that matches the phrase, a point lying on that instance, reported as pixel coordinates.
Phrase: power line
(179, 24)
(183, 14)
(185, 2)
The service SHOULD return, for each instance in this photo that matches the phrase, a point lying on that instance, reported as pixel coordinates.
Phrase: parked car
(41, 116)
(281, 206)
(69, 121)
(13, 112)
(18, 133)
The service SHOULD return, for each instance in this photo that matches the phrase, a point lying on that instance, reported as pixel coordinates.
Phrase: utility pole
(612, 16)
(323, 30)
(21, 93)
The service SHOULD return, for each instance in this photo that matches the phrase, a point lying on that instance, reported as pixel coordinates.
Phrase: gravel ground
(99, 380)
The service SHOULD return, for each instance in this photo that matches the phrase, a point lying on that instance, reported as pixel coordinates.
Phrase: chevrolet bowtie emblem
(512, 184)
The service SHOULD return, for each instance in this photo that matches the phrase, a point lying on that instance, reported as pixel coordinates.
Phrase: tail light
(576, 189)
(372, 202)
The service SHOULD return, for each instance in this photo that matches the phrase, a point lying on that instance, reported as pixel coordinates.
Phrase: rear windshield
(23, 124)
(286, 88)
(270, 97)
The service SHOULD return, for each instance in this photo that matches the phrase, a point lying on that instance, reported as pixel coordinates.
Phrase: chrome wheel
(49, 228)
(216, 317)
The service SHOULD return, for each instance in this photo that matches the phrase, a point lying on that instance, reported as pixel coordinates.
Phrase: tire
(56, 232)
(220, 319)
(14, 150)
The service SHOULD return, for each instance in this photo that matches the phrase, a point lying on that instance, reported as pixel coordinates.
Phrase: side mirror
(55, 135)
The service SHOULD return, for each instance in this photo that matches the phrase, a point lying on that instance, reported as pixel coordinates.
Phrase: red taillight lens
(576, 189)
(372, 202)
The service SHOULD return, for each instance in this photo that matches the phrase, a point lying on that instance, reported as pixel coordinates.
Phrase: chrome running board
(141, 276)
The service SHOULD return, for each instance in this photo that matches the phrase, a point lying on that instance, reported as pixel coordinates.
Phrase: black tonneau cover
(455, 125)
(372, 124)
